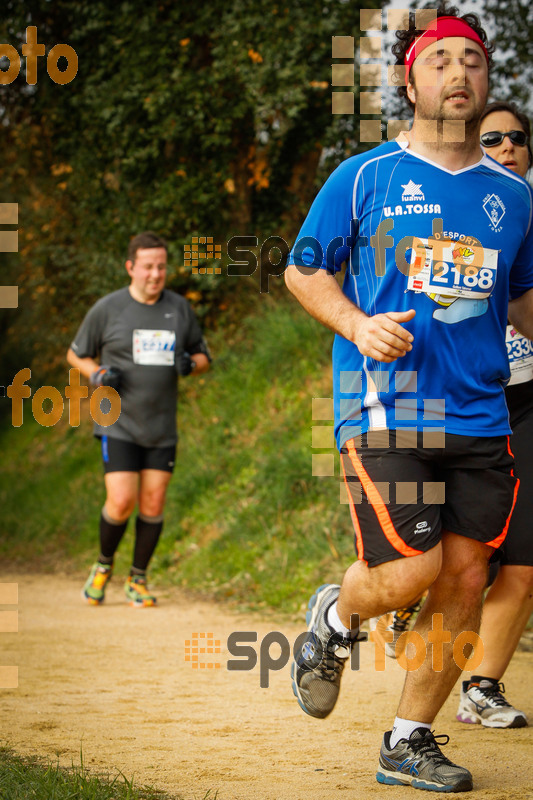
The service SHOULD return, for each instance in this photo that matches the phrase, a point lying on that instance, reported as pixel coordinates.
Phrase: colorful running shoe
(318, 664)
(137, 592)
(418, 762)
(400, 623)
(484, 703)
(94, 590)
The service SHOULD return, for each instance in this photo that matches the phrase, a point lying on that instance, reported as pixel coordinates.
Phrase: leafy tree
(189, 119)
(512, 23)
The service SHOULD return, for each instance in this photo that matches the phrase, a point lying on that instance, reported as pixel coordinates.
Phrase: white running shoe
(484, 703)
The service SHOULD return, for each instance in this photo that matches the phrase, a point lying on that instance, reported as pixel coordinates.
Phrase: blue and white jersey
(451, 245)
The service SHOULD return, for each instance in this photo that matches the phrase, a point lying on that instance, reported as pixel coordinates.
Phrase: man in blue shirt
(436, 236)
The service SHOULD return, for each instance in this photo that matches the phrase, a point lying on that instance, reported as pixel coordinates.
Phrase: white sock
(403, 728)
(334, 622)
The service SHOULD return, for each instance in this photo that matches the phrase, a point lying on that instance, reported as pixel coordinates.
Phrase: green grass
(25, 779)
(245, 518)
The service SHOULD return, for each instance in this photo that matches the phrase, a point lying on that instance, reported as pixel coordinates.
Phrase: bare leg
(149, 522)
(122, 489)
(371, 591)
(154, 483)
(507, 608)
(457, 595)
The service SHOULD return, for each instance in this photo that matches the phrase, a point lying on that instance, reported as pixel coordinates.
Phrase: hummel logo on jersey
(412, 191)
(167, 316)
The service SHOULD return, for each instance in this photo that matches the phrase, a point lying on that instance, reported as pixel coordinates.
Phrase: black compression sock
(111, 532)
(147, 532)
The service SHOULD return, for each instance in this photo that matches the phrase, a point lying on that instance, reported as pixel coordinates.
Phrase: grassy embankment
(245, 518)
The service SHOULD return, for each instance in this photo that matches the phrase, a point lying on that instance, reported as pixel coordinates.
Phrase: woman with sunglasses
(505, 133)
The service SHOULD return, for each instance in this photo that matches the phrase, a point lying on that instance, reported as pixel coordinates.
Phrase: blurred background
(208, 119)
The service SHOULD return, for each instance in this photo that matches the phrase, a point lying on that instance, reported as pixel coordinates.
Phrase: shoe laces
(430, 744)
(494, 694)
(139, 583)
(403, 616)
(332, 663)
(100, 578)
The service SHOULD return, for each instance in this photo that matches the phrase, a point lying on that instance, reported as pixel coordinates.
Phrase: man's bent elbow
(295, 278)
(71, 357)
(289, 277)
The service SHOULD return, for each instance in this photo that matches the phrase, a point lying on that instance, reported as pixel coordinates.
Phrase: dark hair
(144, 241)
(405, 38)
(503, 105)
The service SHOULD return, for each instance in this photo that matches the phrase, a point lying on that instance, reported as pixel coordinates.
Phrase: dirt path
(114, 681)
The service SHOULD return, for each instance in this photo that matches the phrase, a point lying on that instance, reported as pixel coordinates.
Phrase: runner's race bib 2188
(456, 272)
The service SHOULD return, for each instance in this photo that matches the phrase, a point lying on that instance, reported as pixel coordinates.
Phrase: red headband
(440, 28)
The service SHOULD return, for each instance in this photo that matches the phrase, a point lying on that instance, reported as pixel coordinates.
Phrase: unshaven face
(450, 80)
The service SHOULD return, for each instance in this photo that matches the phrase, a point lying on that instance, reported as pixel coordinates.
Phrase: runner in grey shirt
(145, 342)
(137, 340)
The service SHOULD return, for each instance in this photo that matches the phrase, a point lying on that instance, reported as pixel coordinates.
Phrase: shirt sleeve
(328, 234)
(194, 340)
(88, 340)
(521, 275)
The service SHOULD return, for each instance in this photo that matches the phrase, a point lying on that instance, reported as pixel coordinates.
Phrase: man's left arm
(520, 314)
(196, 348)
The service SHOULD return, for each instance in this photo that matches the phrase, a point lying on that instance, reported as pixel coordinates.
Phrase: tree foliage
(189, 119)
(512, 22)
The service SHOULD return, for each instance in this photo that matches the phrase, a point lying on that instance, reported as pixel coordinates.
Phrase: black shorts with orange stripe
(402, 498)
(517, 548)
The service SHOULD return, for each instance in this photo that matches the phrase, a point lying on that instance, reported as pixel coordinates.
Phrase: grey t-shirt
(145, 342)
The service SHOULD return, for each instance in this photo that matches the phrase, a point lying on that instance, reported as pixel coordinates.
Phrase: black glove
(186, 364)
(107, 376)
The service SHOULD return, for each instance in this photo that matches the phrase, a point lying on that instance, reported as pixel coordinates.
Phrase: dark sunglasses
(492, 138)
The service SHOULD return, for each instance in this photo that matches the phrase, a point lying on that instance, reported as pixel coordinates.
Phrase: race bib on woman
(520, 355)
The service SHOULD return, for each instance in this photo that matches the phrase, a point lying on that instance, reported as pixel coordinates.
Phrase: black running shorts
(122, 456)
(401, 498)
(518, 545)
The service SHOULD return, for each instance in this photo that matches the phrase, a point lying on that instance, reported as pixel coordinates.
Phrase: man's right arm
(380, 337)
(87, 341)
(87, 366)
